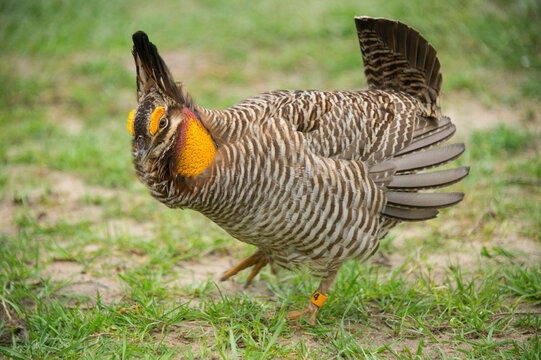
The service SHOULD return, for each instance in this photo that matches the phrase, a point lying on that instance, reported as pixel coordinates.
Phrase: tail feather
(428, 141)
(427, 159)
(409, 214)
(403, 201)
(426, 127)
(423, 200)
(430, 180)
(396, 57)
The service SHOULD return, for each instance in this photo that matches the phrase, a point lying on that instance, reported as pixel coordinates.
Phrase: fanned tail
(405, 174)
(396, 57)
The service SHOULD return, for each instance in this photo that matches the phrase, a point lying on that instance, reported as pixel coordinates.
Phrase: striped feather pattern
(396, 57)
(313, 178)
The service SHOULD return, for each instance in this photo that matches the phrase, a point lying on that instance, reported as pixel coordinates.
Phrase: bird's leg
(257, 260)
(317, 299)
(257, 268)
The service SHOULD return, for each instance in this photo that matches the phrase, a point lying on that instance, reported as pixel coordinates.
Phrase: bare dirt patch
(211, 268)
(188, 334)
(81, 283)
(464, 252)
(469, 114)
(61, 196)
(58, 195)
(7, 218)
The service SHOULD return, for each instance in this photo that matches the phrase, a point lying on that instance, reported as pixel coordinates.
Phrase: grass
(93, 267)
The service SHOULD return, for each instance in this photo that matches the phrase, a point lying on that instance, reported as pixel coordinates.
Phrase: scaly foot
(311, 310)
(309, 313)
(257, 260)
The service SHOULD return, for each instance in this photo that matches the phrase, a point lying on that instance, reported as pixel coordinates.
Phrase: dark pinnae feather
(153, 72)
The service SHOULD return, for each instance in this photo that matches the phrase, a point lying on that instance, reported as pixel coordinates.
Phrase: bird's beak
(141, 152)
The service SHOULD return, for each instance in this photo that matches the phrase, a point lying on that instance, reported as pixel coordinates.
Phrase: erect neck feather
(196, 149)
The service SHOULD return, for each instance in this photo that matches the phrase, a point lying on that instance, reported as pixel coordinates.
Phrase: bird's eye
(163, 123)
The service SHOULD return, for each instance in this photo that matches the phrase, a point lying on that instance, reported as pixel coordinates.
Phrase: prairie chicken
(311, 178)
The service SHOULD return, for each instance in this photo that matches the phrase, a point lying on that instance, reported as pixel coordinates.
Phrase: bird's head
(159, 125)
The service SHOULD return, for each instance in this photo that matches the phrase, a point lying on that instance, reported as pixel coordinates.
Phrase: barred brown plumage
(312, 178)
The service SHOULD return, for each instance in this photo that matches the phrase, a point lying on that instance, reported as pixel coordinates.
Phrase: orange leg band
(318, 299)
